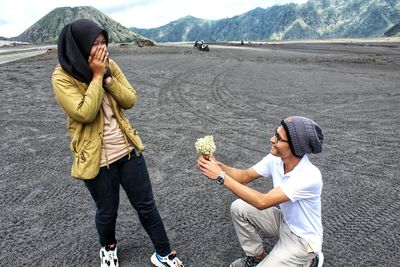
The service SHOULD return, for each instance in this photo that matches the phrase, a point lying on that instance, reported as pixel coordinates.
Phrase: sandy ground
(10, 54)
(239, 96)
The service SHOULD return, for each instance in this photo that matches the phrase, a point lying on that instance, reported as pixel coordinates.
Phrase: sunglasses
(278, 137)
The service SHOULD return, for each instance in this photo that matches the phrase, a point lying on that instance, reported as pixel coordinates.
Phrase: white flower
(205, 145)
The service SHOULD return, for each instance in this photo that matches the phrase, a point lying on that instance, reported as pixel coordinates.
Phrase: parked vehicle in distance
(200, 45)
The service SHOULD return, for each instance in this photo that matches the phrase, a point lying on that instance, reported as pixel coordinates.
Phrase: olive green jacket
(82, 103)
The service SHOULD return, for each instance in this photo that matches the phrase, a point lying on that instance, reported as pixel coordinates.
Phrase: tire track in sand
(227, 99)
(170, 98)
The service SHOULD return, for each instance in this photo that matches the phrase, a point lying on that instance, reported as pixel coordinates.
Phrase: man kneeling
(297, 191)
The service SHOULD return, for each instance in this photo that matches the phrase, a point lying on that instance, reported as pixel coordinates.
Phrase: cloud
(18, 15)
(158, 13)
(121, 7)
(283, 2)
(151, 14)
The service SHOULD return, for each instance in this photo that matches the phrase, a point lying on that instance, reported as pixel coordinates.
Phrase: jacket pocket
(86, 158)
(131, 134)
(134, 139)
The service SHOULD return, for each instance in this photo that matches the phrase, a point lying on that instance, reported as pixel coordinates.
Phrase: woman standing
(92, 90)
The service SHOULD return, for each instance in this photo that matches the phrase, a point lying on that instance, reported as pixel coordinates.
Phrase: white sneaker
(169, 260)
(108, 257)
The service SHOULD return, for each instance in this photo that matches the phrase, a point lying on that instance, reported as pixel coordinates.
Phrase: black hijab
(74, 45)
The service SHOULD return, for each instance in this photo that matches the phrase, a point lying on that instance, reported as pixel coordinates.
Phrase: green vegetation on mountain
(316, 19)
(47, 29)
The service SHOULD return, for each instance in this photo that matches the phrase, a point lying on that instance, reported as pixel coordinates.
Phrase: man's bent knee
(241, 208)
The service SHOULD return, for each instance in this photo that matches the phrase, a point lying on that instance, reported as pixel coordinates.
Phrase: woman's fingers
(101, 54)
(98, 61)
(99, 58)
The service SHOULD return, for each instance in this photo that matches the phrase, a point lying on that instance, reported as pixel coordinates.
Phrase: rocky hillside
(47, 29)
(394, 31)
(316, 19)
(187, 28)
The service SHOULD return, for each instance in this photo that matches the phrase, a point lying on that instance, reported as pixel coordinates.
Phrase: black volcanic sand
(238, 96)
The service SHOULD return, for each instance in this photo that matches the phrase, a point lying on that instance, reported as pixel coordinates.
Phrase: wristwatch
(220, 178)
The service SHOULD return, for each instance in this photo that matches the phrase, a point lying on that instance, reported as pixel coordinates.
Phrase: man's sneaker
(171, 260)
(108, 256)
(318, 260)
(247, 261)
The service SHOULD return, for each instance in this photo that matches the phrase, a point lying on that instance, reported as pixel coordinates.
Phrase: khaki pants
(290, 250)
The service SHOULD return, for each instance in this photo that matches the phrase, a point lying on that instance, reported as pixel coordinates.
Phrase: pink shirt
(114, 145)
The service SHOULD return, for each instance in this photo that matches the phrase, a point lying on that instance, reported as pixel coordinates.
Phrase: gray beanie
(305, 136)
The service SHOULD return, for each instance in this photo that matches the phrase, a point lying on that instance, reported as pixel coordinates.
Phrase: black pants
(134, 178)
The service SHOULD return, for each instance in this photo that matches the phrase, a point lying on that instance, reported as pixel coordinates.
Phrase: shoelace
(113, 256)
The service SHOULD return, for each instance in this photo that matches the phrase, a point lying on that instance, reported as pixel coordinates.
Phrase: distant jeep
(200, 45)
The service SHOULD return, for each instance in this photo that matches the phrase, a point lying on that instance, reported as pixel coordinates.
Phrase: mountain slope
(355, 18)
(394, 31)
(186, 28)
(47, 29)
(315, 19)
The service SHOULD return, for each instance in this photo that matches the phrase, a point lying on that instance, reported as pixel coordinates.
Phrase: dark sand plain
(238, 95)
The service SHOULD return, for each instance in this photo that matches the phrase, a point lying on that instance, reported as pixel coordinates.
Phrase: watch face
(219, 180)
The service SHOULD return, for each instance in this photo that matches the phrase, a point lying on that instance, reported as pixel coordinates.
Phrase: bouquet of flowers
(205, 146)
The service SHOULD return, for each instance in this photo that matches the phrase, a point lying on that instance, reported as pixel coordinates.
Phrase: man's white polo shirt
(303, 186)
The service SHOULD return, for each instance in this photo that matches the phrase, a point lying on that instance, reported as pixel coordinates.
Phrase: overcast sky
(18, 15)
